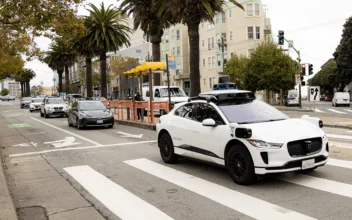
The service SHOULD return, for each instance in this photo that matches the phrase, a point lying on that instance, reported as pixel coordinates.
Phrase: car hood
(25, 102)
(36, 103)
(97, 113)
(56, 105)
(284, 131)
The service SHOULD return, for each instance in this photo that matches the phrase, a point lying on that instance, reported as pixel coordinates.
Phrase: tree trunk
(193, 34)
(60, 72)
(22, 89)
(103, 88)
(156, 58)
(28, 92)
(89, 77)
(67, 80)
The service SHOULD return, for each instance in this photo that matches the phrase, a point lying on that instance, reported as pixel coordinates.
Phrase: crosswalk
(330, 110)
(126, 204)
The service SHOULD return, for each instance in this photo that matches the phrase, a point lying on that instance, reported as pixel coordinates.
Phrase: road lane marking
(34, 133)
(340, 163)
(342, 189)
(68, 141)
(333, 110)
(338, 136)
(79, 148)
(348, 110)
(225, 196)
(117, 199)
(318, 110)
(67, 132)
(9, 116)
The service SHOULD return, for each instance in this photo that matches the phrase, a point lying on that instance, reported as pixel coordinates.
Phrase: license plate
(307, 164)
(100, 121)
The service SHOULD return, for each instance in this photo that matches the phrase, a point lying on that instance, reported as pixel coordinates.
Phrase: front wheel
(167, 149)
(240, 165)
(78, 124)
(110, 126)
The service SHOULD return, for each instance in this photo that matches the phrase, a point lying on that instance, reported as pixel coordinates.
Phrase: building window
(217, 18)
(178, 51)
(257, 33)
(223, 17)
(252, 9)
(219, 60)
(202, 43)
(212, 43)
(204, 81)
(230, 13)
(178, 35)
(209, 62)
(203, 62)
(209, 43)
(250, 33)
(213, 62)
(230, 35)
(210, 83)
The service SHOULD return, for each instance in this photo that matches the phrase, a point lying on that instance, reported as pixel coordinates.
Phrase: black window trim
(222, 118)
(188, 103)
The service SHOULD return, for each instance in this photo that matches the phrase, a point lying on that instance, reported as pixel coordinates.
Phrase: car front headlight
(263, 144)
(325, 138)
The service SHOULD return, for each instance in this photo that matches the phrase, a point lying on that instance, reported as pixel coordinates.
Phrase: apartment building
(238, 31)
(13, 86)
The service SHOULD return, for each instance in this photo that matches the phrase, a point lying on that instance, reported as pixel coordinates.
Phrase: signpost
(171, 62)
(290, 43)
(314, 94)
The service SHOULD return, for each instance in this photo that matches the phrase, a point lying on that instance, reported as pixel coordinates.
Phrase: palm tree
(24, 77)
(61, 55)
(81, 45)
(192, 13)
(106, 32)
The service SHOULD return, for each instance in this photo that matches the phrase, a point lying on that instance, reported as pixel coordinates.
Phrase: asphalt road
(94, 174)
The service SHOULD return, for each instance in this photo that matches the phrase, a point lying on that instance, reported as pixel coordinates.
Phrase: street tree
(325, 77)
(192, 13)
(5, 92)
(270, 69)
(343, 56)
(236, 68)
(107, 31)
(24, 76)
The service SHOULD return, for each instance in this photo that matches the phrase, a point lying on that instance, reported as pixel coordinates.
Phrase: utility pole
(222, 45)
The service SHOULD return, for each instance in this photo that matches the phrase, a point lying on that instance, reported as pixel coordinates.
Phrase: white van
(160, 94)
(292, 98)
(341, 98)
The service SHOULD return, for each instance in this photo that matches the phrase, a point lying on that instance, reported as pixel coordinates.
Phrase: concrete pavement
(118, 174)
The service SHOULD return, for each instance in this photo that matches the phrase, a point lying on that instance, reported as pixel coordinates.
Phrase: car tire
(78, 124)
(349, 105)
(30, 110)
(240, 165)
(166, 147)
(41, 114)
(69, 123)
(45, 115)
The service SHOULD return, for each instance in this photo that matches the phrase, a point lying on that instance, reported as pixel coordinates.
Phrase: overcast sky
(315, 26)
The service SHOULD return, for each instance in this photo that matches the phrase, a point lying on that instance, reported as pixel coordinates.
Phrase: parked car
(248, 136)
(25, 101)
(341, 99)
(328, 99)
(35, 104)
(8, 98)
(292, 98)
(89, 114)
(53, 106)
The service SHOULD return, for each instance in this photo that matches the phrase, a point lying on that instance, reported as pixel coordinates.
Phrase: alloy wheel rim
(165, 147)
(238, 165)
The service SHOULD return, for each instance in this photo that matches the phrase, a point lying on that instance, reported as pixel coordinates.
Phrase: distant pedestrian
(138, 97)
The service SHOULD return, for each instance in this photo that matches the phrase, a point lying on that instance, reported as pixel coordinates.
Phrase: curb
(7, 207)
(331, 125)
(136, 124)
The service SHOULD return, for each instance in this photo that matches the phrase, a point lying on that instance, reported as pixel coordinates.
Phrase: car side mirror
(209, 122)
(243, 133)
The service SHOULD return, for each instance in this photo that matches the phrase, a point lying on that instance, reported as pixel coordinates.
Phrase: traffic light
(303, 73)
(310, 69)
(281, 38)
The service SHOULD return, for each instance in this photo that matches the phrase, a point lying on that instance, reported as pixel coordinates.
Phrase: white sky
(296, 17)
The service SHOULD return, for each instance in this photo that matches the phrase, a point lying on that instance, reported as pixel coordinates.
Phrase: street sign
(290, 44)
(314, 93)
(171, 62)
(298, 78)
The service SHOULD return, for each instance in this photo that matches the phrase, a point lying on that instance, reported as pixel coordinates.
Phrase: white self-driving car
(248, 136)
(53, 106)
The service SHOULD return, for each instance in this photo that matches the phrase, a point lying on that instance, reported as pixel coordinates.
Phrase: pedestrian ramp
(126, 204)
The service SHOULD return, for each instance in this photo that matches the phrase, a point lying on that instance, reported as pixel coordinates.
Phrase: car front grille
(58, 108)
(304, 147)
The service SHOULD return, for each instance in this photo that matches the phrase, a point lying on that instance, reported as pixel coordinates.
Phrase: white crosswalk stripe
(335, 111)
(319, 111)
(340, 163)
(225, 196)
(117, 199)
(338, 136)
(348, 110)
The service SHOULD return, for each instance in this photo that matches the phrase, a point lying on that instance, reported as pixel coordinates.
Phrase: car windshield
(89, 106)
(292, 95)
(100, 98)
(26, 99)
(55, 101)
(37, 100)
(174, 92)
(251, 112)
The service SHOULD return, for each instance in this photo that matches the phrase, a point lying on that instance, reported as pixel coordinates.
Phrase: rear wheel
(240, 165)
(167, 149)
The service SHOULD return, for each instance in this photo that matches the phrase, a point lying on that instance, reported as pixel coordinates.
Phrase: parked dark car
(328, 99)
(90, 114)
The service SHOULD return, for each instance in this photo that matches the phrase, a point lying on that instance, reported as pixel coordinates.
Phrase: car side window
(157, 93)
(206, 111)
(186, 111)
(46, 101)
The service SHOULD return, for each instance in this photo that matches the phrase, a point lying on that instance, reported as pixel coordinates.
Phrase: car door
(74, 112)
(182, 128)
(209, 142)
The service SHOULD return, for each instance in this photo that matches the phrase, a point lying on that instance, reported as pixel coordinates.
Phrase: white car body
(341, 98)
(191, 138)
(35, 104)
(48, 109)
(156, 89)
(292, 98)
